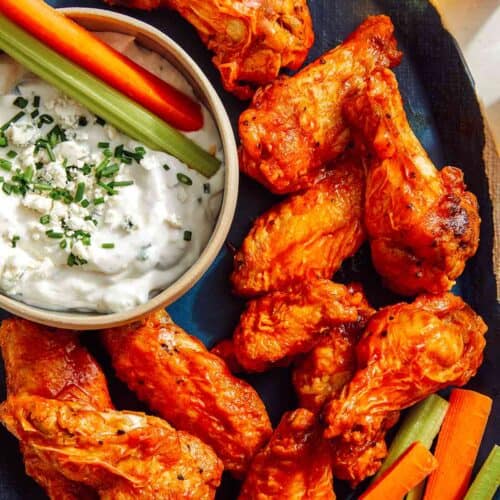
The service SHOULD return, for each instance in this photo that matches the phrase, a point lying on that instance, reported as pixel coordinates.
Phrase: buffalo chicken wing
(252, 39)
(119, 454)
(306, 236)
(190, 387)
(294, 127)
(422, 223)
(277, 327)
(407, 352)
(294, 465)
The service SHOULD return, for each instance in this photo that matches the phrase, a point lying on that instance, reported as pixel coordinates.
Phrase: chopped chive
(99, 201)
(82, 121)
(5, 165)
(104, 163)
(108, 245)
(11, 154)
(79, 192)
(42, 187)
(55, 136)
(28, 174)
(54, 234)
(45, 219)
(36, 101)
(110, 170)
(119, 151)
(107, 188)
(21, 102)
(166, 167)
(100, 121)
(187, 235)
(35, 113)
(3, 141)
(63, 244)
(45, 119)
(85, 203)
(39, 165)
(14, 241)
(107, 153)
(86, 241)
(184, 179)
(126, 160)
(103, 145)
(206, 187)
(14, 119)
(121, 183)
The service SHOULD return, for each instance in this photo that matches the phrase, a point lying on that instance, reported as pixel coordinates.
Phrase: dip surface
(89, 218)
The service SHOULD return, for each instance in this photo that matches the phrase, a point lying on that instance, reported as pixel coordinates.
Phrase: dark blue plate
(444, 113)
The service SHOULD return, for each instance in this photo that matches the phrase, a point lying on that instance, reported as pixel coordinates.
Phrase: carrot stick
(458, 444)
(411, 468)
(83, 48)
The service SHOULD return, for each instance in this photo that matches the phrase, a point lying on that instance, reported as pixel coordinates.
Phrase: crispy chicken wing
(423, 225)
(306, 236)
(294, 127)
(47, 362)
(294, 465)
(407, 352)
(119, 454)
(190, 388)
(277, 327)
(252, 39)
(321, 374)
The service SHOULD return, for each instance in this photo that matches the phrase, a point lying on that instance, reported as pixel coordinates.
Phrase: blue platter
(444, 112)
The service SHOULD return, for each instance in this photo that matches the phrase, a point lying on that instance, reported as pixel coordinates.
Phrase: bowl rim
(189, 68)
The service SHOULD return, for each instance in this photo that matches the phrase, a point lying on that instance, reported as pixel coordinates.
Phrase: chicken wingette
(294, 127)
(407, 352)
(277, 327)
(422, 223)
(118, 454)
(294, 465)
(74, 444)
(306, 236)
(251, 39)
(190, 387)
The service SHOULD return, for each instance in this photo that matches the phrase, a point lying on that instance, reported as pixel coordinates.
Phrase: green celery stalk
(488, 478)
(102, 100)
(421, 424)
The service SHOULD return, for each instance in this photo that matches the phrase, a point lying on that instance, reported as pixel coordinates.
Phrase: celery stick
(421, 424)
(488, 478)
(101, 99)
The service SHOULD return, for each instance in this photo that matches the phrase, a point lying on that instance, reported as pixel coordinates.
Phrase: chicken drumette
(252, 39)
(294, 465)
(407, 352)
(190, 387)
(294, 127)
(422, 223)
(74, 444)
(306, 236)
(277, 327)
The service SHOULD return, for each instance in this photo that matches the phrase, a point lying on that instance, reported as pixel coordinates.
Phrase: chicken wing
(306, 236)
(252, 39)
(294, 465)
(121, 455)
(423, 225)
(407, 352)
(50, 363)
(191, 388)
(294, 127)
(277, 327)
(321, 374)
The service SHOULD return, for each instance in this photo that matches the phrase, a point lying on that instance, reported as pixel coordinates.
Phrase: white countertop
(476, 26)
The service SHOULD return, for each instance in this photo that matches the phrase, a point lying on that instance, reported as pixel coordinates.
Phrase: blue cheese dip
(90, 219)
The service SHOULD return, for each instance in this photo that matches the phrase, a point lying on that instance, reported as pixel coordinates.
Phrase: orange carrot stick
(458, 444)
(83, 48)
(411, 468)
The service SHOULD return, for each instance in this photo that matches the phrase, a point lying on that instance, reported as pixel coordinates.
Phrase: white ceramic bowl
(151, 38)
